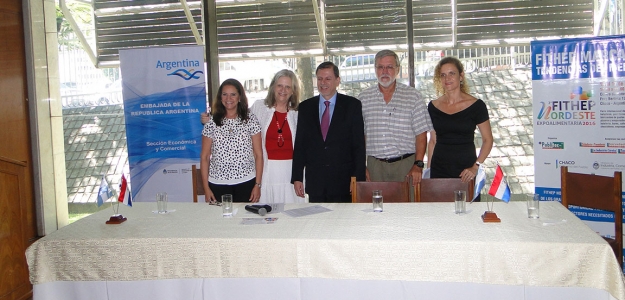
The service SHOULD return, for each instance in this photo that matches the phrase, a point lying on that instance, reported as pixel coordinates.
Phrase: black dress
(455, 149)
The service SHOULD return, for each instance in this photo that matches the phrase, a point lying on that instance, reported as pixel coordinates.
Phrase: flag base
(490, 217)
(116, 219)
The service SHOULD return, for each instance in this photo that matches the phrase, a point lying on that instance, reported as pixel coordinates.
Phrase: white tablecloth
(409, 248)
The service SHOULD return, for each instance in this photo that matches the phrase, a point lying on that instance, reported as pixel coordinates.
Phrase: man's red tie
(325, 120)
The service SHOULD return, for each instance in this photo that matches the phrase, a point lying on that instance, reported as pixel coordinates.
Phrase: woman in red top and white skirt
(277, 116)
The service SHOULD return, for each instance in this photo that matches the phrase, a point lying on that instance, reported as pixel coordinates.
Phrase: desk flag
(480, 181)
(125, 196)
(104, 193)
(499, 189)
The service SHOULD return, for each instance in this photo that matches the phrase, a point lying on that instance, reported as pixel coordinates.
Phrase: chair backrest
(442, 189)
(392, 191)
(599, 192)
(198, 187)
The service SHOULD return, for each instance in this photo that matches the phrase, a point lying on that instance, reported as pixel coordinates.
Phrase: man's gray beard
(386, 84)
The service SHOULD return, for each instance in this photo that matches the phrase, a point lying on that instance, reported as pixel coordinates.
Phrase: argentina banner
(164, 93)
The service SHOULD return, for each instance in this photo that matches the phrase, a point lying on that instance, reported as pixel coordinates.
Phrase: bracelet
(478, 164)
(258, 184)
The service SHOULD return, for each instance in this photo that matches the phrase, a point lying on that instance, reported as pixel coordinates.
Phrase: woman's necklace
(230, 123)
(280, 137)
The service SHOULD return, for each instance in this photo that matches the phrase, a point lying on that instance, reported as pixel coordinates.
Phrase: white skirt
(276, 185)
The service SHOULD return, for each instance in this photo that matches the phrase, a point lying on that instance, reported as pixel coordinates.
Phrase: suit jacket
(329, 164)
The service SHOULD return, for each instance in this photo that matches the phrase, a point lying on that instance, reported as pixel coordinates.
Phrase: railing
(84, 85)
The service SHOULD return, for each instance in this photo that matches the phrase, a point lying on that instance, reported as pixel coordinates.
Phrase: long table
(409, 251)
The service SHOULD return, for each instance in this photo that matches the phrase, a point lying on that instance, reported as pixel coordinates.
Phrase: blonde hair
(438, 85)
(270, 100)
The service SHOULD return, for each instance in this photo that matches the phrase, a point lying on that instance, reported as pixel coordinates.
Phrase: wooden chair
(392, 191)
(598, 192)
(441, 189)
(196, 177)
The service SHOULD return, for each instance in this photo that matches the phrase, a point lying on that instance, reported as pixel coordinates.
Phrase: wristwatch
(419, 163)
(258, 184)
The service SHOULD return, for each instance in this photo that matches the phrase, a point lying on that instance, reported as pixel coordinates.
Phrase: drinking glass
(460, 199)
(533, 201)
(161, 202)
(226, 205)
(377, 200)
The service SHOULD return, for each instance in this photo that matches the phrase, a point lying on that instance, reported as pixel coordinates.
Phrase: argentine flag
(104, 193)
(480, 181)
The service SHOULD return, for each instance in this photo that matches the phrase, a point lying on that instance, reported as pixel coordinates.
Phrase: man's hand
(299, 188)
(416, 173)
(204, 118)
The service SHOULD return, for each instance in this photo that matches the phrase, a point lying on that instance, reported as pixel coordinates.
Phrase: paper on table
(166, 212)
(547, 222)
(255, 221)
(306, 211)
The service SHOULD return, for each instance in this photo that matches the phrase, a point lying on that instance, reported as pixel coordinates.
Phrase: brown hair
(328, 65)
(219, 110)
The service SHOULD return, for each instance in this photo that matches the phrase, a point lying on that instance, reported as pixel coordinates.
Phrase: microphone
(258, 209)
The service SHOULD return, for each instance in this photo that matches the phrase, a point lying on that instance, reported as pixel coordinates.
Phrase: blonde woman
(278, 119)
(455, 115)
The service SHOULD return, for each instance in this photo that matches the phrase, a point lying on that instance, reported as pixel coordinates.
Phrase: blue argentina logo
(185, 68)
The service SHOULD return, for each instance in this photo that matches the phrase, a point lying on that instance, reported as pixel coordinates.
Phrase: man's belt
(394, 159)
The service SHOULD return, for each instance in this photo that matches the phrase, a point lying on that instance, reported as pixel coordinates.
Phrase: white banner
(579, 114)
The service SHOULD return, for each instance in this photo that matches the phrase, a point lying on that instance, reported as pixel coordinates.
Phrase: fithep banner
(164, 93)
(579, 114)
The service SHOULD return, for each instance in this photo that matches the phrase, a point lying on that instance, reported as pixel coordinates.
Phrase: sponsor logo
(616, 145)
(591, 144)
(552, 145)
(560, 163)
(610, 165)
(595, 165)
(166, 171)
(603, 151)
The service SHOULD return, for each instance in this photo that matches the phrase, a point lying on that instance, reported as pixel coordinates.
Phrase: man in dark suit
(329, 141)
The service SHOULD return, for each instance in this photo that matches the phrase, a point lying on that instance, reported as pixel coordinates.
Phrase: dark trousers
(329, 198)
(240, 192)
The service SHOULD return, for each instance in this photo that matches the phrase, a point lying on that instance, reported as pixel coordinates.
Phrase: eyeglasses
(385, 68)
(214, 203)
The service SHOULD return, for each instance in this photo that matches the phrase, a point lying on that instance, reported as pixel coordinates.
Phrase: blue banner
(164, 93)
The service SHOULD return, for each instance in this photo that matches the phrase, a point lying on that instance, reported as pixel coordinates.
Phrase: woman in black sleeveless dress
(455, 114)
